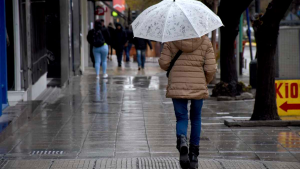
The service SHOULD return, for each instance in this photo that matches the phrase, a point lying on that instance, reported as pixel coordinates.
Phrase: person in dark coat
(111, 30)
(130, 41)
(141, 46)
(105, 32)
(119, 42)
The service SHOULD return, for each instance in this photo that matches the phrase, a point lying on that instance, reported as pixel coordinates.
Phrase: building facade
(43, 41)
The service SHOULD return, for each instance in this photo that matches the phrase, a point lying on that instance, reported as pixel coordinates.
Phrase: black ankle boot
(193, 156)
(182, 147)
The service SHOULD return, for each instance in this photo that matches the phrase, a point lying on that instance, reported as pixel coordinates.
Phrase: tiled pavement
(144, 163)
(128, 116)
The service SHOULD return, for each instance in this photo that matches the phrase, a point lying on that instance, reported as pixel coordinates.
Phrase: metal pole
(241, 45)
(129, 17)
(17, 45)
(28, 54)
(249, 33)
(237, 54)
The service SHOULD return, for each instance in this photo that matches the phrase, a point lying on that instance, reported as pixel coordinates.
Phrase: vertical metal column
(84, 32)
(65, 30)
(76, 36)
(28, 41)
(3, 68)
(241, 45)
(237, 55)
(91, 18)
(17, 45)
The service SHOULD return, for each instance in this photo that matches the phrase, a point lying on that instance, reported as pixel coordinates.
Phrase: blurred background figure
(129, 43)
(120, 40)
(292, 15)
(141, 46)
(111, 30)
(105, 32)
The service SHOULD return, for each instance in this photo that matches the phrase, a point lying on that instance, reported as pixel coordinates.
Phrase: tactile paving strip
(28, 164)
(143, 163)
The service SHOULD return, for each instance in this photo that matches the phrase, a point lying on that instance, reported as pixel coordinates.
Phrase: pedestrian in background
(129, 43)
(105, 32)
(141, 46)
(111, 30)
(188, 79)
(100, 48)
(119, 42)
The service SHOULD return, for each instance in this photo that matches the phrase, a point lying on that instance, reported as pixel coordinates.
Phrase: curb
(268, 123)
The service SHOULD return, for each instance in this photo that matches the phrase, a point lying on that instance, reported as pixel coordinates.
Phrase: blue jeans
(181, 112)
(127, 51)
(141, 57)
(100, 55)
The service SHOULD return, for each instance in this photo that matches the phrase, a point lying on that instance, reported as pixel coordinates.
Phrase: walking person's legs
(143, 58)
(138, 57)
(111, 53)
(104, 51)
(195, 116)
(108, 52)
(127, 53)
(97, 56)
(181, 112)
(119, 56)
(128, 48)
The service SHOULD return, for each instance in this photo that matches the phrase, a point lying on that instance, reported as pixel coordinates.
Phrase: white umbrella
(172, 20)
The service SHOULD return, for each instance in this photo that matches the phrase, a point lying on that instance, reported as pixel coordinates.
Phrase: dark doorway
(10, 45)
(53, 38)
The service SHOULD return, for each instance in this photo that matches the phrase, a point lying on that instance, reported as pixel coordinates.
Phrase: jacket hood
(118, 24)
(98, 25)
(188, 45)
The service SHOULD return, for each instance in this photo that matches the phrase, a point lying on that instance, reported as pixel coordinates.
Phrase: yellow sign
(288, 97)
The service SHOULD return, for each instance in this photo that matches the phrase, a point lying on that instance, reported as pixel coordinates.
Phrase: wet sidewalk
(128, 116)
(143, 163)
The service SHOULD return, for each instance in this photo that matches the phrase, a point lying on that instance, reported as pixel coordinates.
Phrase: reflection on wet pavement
(129, 116)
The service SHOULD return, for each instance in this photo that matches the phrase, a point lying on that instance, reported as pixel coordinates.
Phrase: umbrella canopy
(172, 20)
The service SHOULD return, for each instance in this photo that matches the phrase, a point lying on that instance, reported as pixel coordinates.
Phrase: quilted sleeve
(210, 66)
(166, 57)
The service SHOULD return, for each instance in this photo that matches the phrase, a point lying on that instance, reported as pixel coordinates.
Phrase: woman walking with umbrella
(189, 59)
(188, 81)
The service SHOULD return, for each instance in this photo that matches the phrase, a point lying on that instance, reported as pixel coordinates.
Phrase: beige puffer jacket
(193, 70)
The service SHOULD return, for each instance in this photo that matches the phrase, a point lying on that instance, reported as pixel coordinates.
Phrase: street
(127, 117)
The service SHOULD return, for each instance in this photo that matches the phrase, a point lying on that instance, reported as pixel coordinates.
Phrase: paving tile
(277, 157)
(241, 164)
(28, 164)
(73, 164)
(282, 165)
(267, 148)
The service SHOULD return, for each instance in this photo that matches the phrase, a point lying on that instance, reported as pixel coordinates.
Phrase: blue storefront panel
(3, 60)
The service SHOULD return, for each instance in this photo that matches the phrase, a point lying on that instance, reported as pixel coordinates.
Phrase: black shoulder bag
(173, 62)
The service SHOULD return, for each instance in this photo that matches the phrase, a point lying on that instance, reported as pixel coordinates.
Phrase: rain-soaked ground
(127, 115)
